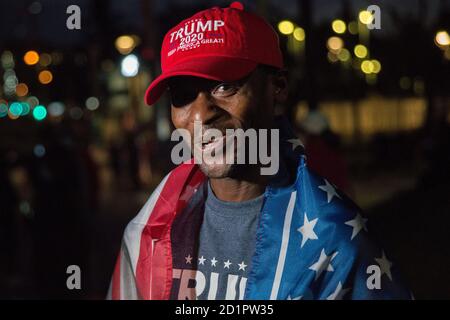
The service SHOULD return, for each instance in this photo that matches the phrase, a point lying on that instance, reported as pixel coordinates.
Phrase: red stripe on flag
(115, 290)
(154, 276)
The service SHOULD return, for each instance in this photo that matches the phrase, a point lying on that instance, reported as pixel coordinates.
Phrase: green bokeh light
(25, 108)
(16, 109)
(3, 110)
(39, 113)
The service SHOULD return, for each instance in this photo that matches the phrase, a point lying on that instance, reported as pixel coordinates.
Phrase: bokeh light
(286, 27)
(367, 66)
(332, 57)
(10, 82)
(299, 34)
(21, 90)
(39, 113)
(12, 116)
(129, 66)
(335, 44)
(32, 101)
(92, 103)
(31, 57)
(3, 109)
(442, 38)
(338, 26)
(56, 109)
(9, 73)
(353, 27)
(15, 109)
(360, 51)
(7, 60)
(39, 150)
(45, 77)
(25, 108)
(126, 43)
(45, 60)
(365, 17)
(376, 66)
(344, 55)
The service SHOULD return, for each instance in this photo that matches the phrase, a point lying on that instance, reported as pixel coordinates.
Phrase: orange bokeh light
(45, 77)
(31, 57)
(21, 90)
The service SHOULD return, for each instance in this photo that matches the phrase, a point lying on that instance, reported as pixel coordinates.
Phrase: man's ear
(280, 86)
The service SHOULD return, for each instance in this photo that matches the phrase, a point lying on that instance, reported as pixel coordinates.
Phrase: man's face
(247, 103)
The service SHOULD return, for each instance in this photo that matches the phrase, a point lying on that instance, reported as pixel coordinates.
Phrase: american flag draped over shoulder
(311, 241)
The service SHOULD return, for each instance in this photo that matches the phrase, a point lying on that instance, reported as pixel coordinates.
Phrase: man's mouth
(214, 142)
(210, 143)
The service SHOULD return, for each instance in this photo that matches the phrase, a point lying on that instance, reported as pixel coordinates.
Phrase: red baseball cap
(223, 44)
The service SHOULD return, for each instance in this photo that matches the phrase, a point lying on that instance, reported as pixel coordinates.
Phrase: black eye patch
(184, 90)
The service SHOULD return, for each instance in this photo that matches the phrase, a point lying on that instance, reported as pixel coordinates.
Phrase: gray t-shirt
(227, 241)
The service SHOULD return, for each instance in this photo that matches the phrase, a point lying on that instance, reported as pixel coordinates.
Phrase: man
(225, 230)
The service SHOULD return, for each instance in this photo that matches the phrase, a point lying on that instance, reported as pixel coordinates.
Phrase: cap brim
(213, 68)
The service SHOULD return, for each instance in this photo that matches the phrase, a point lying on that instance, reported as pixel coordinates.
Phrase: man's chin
(216, 171)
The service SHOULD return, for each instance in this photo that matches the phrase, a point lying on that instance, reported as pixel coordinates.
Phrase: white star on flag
(242, 265)
(226, 264)
(307, 230)
(295, 143)
(188, 259)
(201, 260)
(323, 262)
(385, 265)
(213, 262)
(329, 189)
(339, 293)
(357, 224)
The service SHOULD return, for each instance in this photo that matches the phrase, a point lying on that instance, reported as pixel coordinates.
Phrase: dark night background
(80, 152)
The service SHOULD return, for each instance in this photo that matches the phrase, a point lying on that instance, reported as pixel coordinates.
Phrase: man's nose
(204, 109)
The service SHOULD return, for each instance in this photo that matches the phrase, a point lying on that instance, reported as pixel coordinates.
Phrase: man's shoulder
(336, 218)
(166, 192)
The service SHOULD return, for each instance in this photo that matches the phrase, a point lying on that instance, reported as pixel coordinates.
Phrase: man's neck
(234, 190)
